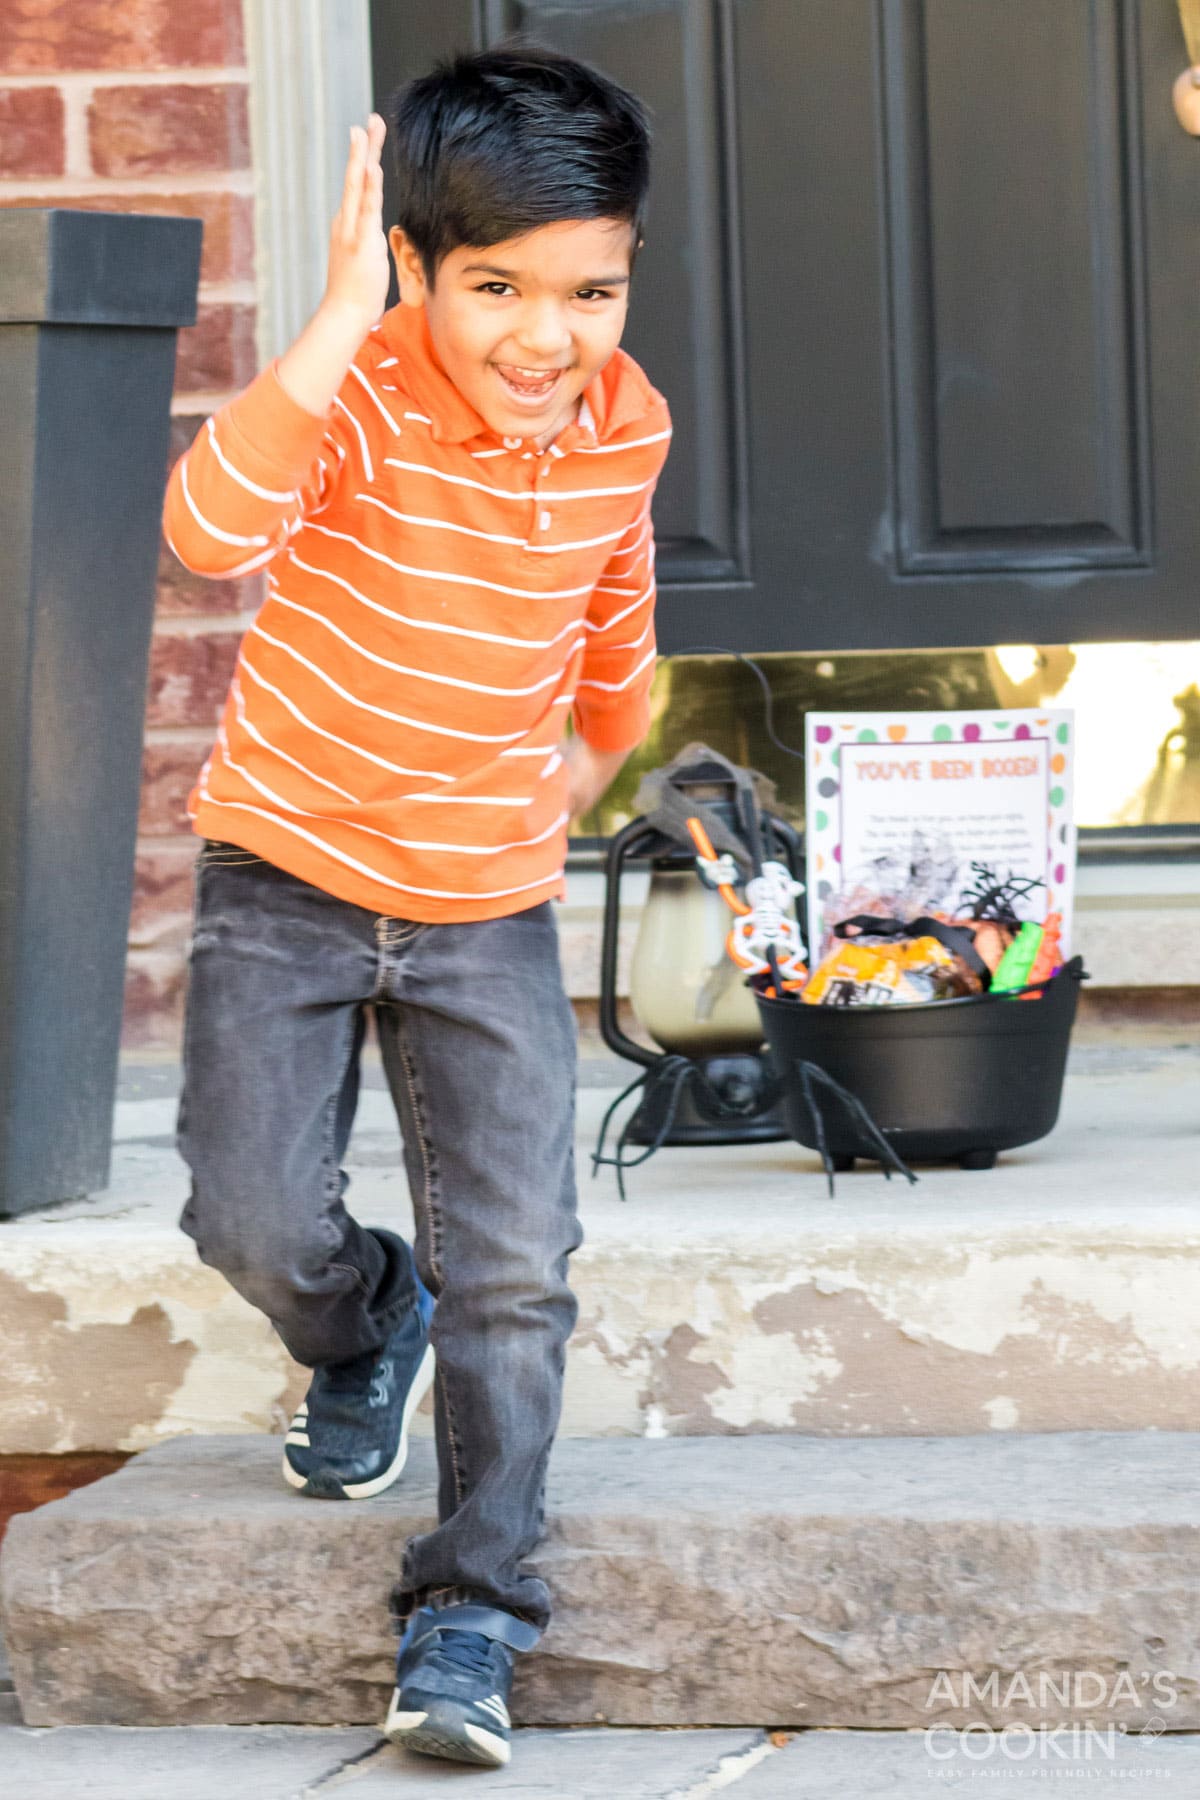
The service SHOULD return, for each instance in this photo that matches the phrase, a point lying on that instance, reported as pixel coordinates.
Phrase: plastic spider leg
(598, 1157)
(672, 1072)
(810, 1100)
(887, 1155)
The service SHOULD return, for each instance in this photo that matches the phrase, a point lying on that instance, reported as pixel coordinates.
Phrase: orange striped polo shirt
(439, 602)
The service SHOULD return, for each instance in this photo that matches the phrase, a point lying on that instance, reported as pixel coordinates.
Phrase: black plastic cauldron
(955, 1080)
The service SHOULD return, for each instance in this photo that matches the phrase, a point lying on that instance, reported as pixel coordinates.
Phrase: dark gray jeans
(478, 1044)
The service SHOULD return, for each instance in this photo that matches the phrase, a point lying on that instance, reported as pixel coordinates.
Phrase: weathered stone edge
(742, 1604)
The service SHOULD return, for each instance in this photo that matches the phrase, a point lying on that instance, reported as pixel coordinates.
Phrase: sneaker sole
(444, 1732)
(325, 1486)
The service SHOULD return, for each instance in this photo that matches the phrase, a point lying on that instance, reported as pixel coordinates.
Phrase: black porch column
(89, 308)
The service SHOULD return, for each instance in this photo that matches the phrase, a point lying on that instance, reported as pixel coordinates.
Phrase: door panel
(1018, 356)
(684, 284)
(920, 284)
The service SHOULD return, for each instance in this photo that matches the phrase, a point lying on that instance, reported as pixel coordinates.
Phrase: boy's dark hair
(493, 144)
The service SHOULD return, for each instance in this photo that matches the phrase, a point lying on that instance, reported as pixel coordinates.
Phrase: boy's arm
(590, 773)
(263, 463)
(612, 697)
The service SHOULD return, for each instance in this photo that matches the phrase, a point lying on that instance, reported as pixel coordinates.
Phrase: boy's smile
(521, 327)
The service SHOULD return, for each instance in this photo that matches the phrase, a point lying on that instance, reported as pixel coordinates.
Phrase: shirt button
(544, 521)
(512, 443)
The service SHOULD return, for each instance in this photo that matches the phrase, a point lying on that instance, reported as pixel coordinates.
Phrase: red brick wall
(141, 106)
(30, 1481)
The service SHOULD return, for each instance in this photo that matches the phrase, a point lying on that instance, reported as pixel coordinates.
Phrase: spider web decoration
(991, 897)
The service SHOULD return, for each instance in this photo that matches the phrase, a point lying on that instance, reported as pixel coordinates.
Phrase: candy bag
(886, 961)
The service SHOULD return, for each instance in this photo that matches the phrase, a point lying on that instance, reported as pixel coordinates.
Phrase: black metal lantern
(711, 1080)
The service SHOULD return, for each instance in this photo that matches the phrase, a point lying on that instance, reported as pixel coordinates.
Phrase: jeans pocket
(216, 850)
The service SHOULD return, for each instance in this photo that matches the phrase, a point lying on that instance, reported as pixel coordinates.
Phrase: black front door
(921, 285)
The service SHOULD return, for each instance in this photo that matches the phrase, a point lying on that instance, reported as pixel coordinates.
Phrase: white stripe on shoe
(397, 1721)
(445, 1733)
(495, 1705)
(495, 1747)
(365, 1490)
(421, 1384)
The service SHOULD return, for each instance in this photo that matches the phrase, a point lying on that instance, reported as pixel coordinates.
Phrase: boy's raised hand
(314, 367)
(359, 265)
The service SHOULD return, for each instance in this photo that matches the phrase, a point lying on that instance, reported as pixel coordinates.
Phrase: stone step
(775, 1580)
(730, 1294)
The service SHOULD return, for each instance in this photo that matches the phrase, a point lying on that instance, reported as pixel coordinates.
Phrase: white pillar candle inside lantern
(683, 987)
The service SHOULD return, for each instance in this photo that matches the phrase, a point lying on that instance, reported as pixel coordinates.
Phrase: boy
(452, 504)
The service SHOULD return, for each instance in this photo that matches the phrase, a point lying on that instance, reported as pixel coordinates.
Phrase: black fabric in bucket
(949, 1078)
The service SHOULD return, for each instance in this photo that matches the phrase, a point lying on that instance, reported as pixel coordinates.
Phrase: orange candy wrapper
(859, 973)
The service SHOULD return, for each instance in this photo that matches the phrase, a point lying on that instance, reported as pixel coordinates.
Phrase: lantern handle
(791, 841)
(635, 839)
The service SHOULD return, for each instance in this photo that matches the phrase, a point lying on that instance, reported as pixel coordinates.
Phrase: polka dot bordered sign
(934, 792)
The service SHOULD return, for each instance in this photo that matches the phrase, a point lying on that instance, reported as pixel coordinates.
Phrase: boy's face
(521, 327)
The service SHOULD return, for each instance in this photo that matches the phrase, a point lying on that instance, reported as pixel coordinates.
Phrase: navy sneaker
(453, 1677)
(349, 1438)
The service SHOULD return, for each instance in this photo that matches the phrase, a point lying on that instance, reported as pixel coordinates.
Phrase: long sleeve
(257, 468)
(612, 703)
(392, 726)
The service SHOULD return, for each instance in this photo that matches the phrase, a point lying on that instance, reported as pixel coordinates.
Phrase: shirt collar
(617, 396)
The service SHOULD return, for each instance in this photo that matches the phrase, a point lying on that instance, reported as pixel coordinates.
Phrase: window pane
(1137, 717)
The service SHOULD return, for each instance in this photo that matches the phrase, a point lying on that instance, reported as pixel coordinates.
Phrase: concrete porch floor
(276, 1763)
(730, 1294)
